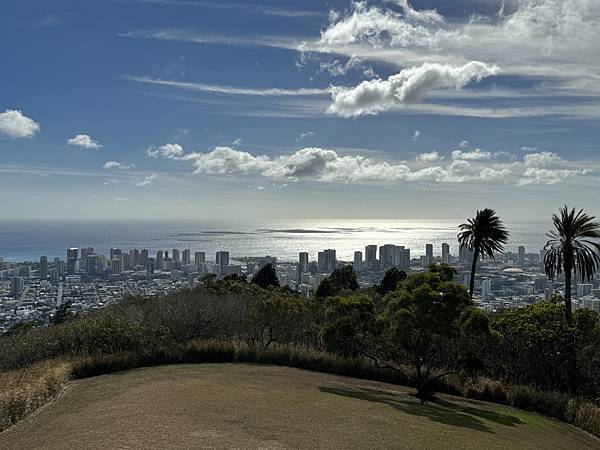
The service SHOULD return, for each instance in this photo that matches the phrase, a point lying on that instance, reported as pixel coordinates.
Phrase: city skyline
(261, 110)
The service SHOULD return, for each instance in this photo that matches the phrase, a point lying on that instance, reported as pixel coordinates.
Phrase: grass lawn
(254, 406)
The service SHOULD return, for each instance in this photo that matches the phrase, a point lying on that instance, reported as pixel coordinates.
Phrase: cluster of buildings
(31, 291)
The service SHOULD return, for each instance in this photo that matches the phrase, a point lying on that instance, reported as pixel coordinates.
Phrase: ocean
(28, 240)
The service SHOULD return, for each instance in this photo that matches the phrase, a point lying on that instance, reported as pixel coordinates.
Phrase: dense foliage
(423, 330)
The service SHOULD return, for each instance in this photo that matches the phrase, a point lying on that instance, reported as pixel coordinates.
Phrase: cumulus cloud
(16, 125)
(429, 157)
(84, 141)
(475, 155)
(408, 86)
(534, 175)
(543, 159)
(147, 180)
(171, 151)
(108, 165)
(317, 164)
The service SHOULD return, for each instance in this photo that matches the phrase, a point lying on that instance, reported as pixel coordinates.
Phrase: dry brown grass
(25, 390)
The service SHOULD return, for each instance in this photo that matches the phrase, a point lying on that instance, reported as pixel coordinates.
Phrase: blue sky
(286, 109)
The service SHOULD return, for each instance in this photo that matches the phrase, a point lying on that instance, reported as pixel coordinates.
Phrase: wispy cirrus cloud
(243, 7)
(231, 90)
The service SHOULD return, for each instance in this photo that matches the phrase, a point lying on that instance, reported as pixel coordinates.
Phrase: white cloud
(84, 141)
(408, 86)
(230, 90)
(475, 155)
(429, 157)
(416, 135)
(527, 149)
(534, 175)
(171, 151)
(305, 135)
(237, 142)
(463, 144)
(108, 165)
(317, 164)
(543, 159)
(16, 125)
(147, 180)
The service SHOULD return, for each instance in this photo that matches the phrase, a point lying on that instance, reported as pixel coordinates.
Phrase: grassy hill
(248, 406)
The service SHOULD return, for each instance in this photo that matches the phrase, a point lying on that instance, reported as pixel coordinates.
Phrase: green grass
(252, 406)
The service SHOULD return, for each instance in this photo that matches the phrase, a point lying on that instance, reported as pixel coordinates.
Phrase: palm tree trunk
(473, 269)
(568, 308)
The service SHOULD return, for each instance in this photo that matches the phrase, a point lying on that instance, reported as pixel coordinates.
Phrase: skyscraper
(321, 266)
(330, 260)
(159, 260)
(199, 258)
(16, 286)
(176, 255)
(358, 256)
(144, 258)
(521, 257)
(302, 262)
(186, 257)
(371, 253)
(85, 252)
(429, 253)
(116, 266)
(445, 253)
(43, 268)
(222, 260)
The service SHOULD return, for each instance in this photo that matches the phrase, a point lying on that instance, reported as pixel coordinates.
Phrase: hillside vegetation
(422, 331)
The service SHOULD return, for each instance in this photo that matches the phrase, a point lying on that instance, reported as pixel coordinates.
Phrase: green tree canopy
(266, 277)
(341, 279)
(390, 281)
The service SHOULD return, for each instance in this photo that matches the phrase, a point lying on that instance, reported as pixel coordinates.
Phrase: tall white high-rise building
(486, 287)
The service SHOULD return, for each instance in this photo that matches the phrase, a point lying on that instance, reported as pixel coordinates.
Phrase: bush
(487, 390)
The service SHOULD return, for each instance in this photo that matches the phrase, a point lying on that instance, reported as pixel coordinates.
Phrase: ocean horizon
(28, 240)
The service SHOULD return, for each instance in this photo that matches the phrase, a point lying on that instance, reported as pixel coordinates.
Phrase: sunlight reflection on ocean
(29, 240)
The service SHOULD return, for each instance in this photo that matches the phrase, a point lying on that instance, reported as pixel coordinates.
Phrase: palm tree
(483, 235)
(574, 245)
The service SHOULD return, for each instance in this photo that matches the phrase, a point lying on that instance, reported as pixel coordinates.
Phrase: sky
(256, 110)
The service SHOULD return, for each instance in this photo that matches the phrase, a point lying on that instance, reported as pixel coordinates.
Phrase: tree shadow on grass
(440, 411)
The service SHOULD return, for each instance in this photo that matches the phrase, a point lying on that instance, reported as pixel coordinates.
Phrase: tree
(63, 313)
(483, 235)
(340, 280)
(266, 277)
(574, 246)
(390, 281)
(420, 326)
(445, 271)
